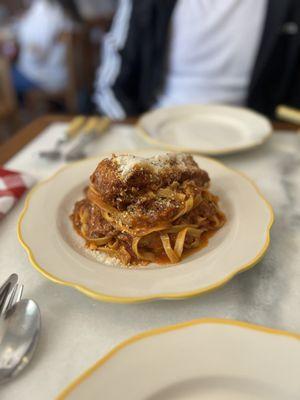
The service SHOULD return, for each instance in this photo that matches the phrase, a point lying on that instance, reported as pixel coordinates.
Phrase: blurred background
(124, 57)
(49, 55)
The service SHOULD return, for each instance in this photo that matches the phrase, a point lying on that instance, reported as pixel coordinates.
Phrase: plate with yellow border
(55, 250)
(204, 129)
(208, 359)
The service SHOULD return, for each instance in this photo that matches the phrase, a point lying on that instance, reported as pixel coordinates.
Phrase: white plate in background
(204, 129)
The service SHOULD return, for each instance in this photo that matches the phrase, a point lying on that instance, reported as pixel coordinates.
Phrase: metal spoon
(19, 334)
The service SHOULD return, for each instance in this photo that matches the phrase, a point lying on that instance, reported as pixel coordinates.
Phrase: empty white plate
(206, 129)
(207, 359)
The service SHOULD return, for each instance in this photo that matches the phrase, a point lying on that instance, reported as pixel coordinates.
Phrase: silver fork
(6, 288)
(72, 131)
(10, 293)
(13, 298)
(93, 128)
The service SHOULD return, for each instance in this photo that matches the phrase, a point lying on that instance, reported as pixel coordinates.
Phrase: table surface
(32, 130)
(78, 330)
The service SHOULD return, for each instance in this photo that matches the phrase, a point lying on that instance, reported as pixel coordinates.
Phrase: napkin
(13, 184)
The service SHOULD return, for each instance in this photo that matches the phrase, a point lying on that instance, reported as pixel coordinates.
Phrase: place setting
(156, 225)
(168, 224)
(149, 201)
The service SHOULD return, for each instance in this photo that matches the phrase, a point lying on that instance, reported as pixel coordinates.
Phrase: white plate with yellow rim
(46, 232)
(204, 129)
(207, 359)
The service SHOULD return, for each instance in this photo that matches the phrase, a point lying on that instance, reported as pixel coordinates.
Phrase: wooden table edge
(34, 128)
(27, 134)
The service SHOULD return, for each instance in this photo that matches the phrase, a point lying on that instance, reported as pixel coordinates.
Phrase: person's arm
(41, 30)
(117, 80)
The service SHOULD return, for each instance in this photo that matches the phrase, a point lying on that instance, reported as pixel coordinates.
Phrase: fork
(10, 294)
(72, 131)
(94, 128)
(6, 288)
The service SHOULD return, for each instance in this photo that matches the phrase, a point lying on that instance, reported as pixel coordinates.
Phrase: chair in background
(8, 101)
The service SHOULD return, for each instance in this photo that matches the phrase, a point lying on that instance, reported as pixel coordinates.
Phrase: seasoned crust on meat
(119, 179)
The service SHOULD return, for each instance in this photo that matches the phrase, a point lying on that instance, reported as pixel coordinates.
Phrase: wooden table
(29, 132)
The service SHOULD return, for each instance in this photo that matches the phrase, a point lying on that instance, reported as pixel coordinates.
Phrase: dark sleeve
(292, 95)
(118, 76)
(292, 92)
(279, 79)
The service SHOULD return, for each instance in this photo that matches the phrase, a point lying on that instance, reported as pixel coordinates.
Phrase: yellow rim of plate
(165, 296)
(154, 332)
(143, 133)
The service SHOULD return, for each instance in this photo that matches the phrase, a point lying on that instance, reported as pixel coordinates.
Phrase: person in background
(164, 53)
(3, 14)
(41, 62)
(91, 9)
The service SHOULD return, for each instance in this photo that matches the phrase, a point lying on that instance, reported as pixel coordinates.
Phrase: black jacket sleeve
(135, 53)
(126, 86)
(117, 80)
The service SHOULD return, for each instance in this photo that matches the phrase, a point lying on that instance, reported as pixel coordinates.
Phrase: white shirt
(213, 47)
(42, 57)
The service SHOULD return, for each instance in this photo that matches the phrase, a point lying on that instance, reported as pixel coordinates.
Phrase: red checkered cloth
(12, 186)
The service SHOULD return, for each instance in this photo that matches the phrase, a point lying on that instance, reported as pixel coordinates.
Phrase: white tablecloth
(77, 330)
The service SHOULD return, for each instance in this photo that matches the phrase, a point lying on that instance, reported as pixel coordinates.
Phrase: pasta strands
(172, 255)
(179, 244)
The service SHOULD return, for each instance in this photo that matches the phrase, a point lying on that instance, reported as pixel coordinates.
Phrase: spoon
(19, 334)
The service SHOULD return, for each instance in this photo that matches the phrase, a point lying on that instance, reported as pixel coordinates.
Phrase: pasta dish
(142, 210)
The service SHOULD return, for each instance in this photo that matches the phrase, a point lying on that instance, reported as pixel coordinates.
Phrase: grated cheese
(127, 163)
